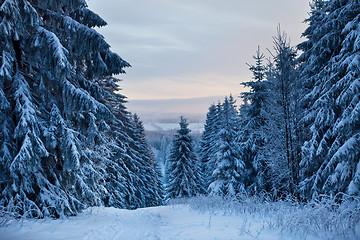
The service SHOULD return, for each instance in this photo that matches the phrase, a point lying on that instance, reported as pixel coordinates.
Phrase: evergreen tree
(269, 135)
(66, 140)
(149, 170)
(228, 175)
(183, 167)
(330, 161)
(252, 121)
(208, 144)
(119, 175)
(281, 129)
(132, 178)
(316, 53)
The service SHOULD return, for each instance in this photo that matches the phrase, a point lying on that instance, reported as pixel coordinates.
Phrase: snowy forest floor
(196, 218)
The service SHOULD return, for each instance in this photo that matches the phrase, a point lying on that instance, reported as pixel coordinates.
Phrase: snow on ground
(171, 222)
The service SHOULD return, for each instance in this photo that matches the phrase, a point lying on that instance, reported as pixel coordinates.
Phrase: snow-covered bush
(325, 217)
(7, 217)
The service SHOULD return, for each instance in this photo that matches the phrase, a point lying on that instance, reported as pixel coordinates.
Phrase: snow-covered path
(173, 222)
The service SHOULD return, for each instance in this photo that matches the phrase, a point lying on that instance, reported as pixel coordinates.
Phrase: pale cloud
(186, 86)
(187, 48)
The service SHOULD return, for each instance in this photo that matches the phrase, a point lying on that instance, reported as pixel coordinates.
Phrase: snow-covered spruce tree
(228, 175)
(183, 168)
(274, 146)
(118, 178)
(331, 153)
(208, 144)
(281, 146)
(251, 135)
(149, 169)
(132, 178)
(315, 53)
(53, 150)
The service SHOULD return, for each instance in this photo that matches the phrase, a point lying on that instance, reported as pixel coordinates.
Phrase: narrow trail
(174, 222)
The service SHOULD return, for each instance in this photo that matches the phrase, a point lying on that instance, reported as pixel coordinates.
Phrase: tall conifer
(330, 161)
(58, 153)
(228, 175)
(183, 168)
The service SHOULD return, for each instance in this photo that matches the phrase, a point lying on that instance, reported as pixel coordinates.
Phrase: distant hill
(169, 110)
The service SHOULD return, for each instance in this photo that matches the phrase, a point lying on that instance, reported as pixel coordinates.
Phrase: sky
(182, 49)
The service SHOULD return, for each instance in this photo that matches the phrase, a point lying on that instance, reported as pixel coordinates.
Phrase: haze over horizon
(186, 49)
(165, 110)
